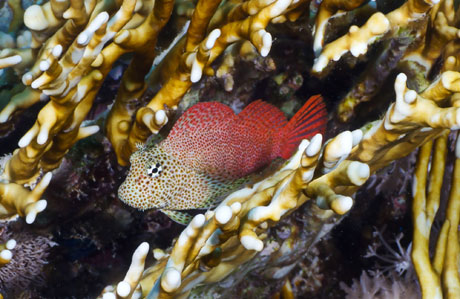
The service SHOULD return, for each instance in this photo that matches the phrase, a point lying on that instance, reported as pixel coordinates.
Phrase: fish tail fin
(310, 120)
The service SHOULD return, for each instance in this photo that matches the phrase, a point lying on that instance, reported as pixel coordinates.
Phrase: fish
(210, 151)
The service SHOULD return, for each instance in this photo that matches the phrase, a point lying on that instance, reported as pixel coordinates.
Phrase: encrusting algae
(210, 150)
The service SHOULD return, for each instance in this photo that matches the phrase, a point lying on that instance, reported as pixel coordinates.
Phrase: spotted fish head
(157, 179)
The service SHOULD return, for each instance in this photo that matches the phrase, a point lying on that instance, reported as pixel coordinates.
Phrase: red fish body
(209, 148)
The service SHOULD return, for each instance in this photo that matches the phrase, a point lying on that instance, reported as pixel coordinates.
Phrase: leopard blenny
(210, 150)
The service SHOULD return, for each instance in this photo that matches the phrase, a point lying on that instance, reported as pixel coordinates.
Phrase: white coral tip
(10, 244)
(44, 66)
(196, 72)
(251, 243)
(83, 38)
(266, 44)
(40, 206)
(35, 19)
(400, 85)
(27, 78)
(12, 60)
(410, 96)
(141, 251)
(158, 253)
(109, 296)
(223, 214)
(6, 255)
(358, 172)
(123, 289)
(357, 136)
(340, 146)
(57, 51)
(26, 139)
(315, 145)
(236, 207)
(171, 280)
(213, 36)
(198, 221)
(42, 136)
(46, 179)
(342, 204)
(147, 118)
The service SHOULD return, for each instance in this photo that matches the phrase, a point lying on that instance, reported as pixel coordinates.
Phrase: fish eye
(154, 170)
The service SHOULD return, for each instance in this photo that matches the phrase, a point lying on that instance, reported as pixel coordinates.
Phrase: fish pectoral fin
(178, 216)
(221, 190)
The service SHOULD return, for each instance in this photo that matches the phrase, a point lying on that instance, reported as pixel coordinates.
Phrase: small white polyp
(44, 66)
(213, 36)
(171, 280)
(158, 253)
(266, 44)
(5, 114)
(410, 96)
(38, 207)
(259, 213)
(43, 135)
(251, 243)
(160, 117)
(147, 118)
(27, 138)
(338, 149)
(315, 145)
(198, 221)
(35, 19)
(46, 179)
(26, 78)
(57, 51)
(343, 145)
(123, 289)
(236, 207)
(11, 60)
(342, 204)
(320, 63)
(400, 86)
(109, 296)
(357, 136)
(10, 244)
(90, 130)
(196, 72)
(358, 172)
(223, 214)
(358, 48)
(6, 255)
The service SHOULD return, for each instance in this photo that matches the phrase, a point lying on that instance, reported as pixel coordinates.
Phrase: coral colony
(92, 88)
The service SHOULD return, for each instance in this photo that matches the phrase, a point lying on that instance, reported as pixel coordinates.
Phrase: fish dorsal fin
(262, 114)
(199, 118)
(201, 135)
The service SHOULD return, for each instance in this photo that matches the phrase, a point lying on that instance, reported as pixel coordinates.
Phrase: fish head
(157, 179)
(151, 179)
